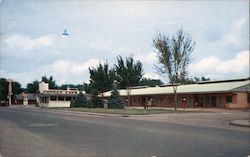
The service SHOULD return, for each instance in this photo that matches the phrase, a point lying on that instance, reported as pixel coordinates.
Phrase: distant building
(208, 94)
(55, 98)
(25, 99)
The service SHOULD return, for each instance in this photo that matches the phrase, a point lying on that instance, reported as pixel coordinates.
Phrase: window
(229, 99)
(53, 98)
(68, 98)
(60, 98)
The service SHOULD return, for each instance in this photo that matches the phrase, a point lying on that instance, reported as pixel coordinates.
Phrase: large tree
(101, 78)
(174, 56)
(129, 72)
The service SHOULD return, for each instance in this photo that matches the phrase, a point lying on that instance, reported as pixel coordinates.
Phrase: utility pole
(10, 90)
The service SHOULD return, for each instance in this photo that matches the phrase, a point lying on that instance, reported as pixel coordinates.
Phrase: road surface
(40, 133)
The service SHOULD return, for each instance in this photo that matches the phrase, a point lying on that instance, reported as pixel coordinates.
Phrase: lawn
(128, 111)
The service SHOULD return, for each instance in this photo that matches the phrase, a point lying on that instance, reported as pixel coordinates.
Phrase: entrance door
(213, 101)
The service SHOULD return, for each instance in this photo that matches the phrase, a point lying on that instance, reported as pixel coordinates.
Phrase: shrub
(80, 101)
(94, 101)
(115, 101)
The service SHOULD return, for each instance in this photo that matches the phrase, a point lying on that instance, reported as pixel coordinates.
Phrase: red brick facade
(218, 100)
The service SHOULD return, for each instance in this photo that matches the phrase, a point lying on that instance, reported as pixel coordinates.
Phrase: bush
(80, 101)
(115, 101)
(94, 101)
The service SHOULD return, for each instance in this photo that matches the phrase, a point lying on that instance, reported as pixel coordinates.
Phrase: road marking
(1, 155)
(41, 125)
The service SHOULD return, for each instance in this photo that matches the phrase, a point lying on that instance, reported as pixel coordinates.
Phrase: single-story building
(218, 94)
(26, 99)
(54, 97)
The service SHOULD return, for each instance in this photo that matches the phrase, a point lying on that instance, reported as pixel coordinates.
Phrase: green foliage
(128, 72)
(149, 82)
(3, 89)
(80, 101)
(32, 87)
(88, 88)
(174, 55)
(101, 79)
(16, 88)
(95, 101)
(115, 101)
(50, 81)
(65, 86)
(193, 80)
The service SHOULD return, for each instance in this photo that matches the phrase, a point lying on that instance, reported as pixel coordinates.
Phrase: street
(37, 132)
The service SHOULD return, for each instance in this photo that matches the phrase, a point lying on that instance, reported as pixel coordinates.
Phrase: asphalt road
(25, 132)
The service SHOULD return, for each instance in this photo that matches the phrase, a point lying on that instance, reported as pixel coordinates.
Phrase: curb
(71, 112)
(241, 123)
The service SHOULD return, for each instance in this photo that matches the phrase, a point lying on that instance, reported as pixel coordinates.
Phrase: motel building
(207, 94)
(55, 98)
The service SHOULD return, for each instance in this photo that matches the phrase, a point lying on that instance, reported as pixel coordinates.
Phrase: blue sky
(32, 44)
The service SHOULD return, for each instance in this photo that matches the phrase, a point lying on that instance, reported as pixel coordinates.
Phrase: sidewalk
(243, 123)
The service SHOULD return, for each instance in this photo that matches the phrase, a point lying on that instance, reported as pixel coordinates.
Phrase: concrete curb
(69, 112)
(242, 123)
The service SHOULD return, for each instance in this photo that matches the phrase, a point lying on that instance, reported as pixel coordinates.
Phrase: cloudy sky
(32, 44)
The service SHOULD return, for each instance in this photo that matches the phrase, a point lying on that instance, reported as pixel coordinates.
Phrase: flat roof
(239, 85)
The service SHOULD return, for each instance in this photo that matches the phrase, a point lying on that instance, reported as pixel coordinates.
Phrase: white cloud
(146, 58)
(101, 44)
(151, 75)
(62, 71)
(214, 66)
(233, 36)
(66, 68)
(26, 43)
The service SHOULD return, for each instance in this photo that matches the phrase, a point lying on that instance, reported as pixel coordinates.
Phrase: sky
(32, 44)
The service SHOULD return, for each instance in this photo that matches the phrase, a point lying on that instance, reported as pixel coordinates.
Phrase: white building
(55, 98)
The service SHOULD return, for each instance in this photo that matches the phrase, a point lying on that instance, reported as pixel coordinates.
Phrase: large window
(229, 99)
(53, 98)
(68, 98)
(60, 98)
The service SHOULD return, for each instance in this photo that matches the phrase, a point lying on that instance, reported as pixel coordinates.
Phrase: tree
(128, 73)
(101, 78)
(16, 88)
(50, 81)
(3, 89)
(32, 87)
(115, 100)
(192, 80)
(95, 101)
(174, 57)
(80, 101)
(149, 82)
